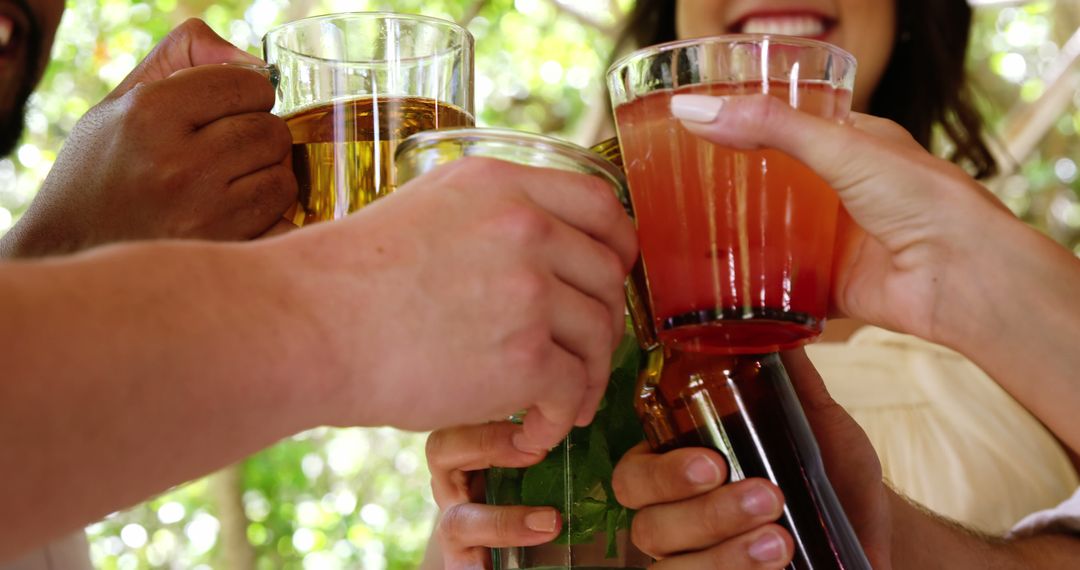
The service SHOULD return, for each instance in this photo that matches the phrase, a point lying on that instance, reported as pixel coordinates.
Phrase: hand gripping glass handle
(269, 71)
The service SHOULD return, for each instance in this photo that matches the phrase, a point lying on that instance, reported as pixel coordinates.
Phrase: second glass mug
(351, 87)
(575, 477)
(736, 250)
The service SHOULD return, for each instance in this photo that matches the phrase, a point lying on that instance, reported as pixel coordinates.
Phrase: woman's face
(866, 28)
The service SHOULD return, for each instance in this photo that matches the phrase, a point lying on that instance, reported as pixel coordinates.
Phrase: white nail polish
(696, 108)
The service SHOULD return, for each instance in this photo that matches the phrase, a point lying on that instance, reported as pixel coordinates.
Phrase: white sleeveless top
(948, 436)
(69, 553)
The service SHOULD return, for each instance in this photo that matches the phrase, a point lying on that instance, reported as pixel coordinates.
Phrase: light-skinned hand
(894, 263)
(734, 525)
(490, 287)
(467, 528)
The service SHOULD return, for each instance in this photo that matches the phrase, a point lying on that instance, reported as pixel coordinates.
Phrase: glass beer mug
(353, 86)
(575, 477)
(736, 252)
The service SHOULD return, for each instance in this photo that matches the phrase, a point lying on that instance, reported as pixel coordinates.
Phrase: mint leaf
(584, 462)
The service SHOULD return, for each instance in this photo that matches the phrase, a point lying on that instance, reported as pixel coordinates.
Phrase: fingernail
(758, 502)
(767, 548)
(696, 108)
(702, 471)
(541, 521)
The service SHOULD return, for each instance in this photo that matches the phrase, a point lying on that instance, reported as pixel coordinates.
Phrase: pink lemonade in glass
(737, 245)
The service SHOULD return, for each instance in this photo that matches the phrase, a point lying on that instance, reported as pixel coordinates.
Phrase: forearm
(1013, 309)
(133, 369)
(922, 541)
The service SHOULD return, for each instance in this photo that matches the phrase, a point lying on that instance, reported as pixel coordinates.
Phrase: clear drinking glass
(736, 248)
(575, 477)
(352, 86)
(737, 245)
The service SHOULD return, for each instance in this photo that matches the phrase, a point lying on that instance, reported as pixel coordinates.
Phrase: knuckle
(274, 192)
(173, 176)
(279, 135)
(192, 27)
(489, 439)
(716, 518)
(656, 473)
(227, 89)
(528, 286)
(599, 318)
(471, 169)
(524, 225)
(453, 524)
(528, 350)
(434, 448)
(620, 484)
(138, 107)
(608, 209)
(766, 109)
(611, 267)
(643, 534)
(718, 556)
(503, 524)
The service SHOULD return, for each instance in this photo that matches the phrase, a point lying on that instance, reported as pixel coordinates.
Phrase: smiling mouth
(9, 37)
(802, 25)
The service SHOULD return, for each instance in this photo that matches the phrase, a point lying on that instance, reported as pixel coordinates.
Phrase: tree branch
(583, 18)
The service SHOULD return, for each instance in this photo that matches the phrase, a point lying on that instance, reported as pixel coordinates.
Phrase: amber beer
(343, 151)
(351, 87)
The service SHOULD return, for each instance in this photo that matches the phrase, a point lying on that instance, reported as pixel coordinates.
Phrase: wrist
(923, 540)
(980, 243)
(36, 236)
(306, 296)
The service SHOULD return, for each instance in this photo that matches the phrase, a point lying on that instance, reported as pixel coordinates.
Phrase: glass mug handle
(273, 75)
(269, 71)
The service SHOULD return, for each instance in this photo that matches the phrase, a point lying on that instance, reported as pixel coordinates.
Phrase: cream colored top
(948, 436)
(68, 553)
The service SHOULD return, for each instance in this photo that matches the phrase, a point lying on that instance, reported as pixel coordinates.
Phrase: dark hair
(923, 86)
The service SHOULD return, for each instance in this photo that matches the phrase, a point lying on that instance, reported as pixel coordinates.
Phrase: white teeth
(7, 27)
(807, 26)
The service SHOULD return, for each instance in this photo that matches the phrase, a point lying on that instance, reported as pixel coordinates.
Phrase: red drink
(737, 245)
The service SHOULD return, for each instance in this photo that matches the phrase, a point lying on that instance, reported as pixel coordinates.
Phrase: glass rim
(534, 141)
(792, 41)
(466, 36)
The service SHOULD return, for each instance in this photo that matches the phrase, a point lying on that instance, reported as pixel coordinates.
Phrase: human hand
(487, 288)
(733, 525)
(915, 215)
(467, 528)
(180, 149)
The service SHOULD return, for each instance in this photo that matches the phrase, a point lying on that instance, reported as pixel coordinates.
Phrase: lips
(806, 25)
(7, 32)
(15, 28)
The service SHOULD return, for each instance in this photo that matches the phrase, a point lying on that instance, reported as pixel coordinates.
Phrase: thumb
(878, 171)
(190, 44)
(836, 431)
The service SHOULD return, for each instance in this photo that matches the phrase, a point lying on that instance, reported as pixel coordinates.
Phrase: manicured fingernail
(702, 471)
(696, 108)
(541, 521)
(758, 502)
(767, 548)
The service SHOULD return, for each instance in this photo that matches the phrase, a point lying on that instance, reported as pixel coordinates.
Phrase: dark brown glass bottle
(744, 406)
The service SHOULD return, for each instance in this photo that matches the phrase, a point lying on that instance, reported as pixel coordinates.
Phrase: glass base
(740, 331)
(590, 556)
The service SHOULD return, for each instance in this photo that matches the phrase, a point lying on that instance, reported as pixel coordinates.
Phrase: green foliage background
(360, 498)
